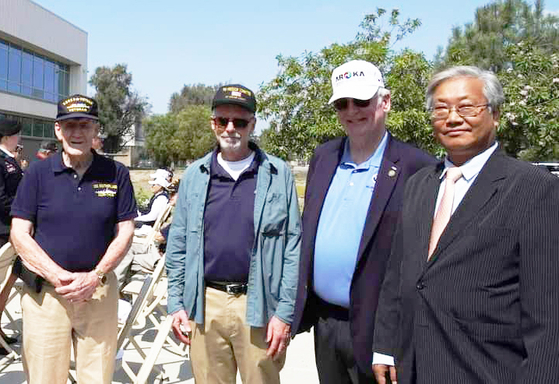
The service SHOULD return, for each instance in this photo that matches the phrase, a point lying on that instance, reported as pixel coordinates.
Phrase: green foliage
(142, 197)
(498, 25)
(530, 123)
(519, 43)
(119, 106)
(195, 94)
(179, 137)
(295, 102)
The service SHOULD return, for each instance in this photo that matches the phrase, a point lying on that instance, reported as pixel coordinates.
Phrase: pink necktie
(445, 208)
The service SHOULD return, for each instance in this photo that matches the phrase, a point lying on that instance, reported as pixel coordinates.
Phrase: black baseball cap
(9, 127)
(76, 106)
(235, 94)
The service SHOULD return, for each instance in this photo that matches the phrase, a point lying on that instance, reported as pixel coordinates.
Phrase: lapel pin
(392, 172)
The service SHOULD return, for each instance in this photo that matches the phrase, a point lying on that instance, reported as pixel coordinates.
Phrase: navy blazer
(484, 308)
(399, 162)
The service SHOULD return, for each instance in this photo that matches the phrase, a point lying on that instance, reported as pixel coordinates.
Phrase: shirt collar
(58, 165)
(217, 170)
(472, 167)
(7, 152)
(373, 161)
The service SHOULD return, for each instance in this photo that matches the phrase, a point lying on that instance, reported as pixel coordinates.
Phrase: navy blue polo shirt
(229, 223)
(75, 219)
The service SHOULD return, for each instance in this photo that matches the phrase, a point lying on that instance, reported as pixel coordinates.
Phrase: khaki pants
(51, 325)
(224, 343)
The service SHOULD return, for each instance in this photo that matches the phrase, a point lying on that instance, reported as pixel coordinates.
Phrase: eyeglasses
(223, 122)
(342, 104)
(462, 111)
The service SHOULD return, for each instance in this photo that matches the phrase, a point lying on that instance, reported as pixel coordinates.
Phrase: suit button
(420, 286)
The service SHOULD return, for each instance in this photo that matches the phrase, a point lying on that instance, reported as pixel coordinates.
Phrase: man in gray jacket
(233, 252)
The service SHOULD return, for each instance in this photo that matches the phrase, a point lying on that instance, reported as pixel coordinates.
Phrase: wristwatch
(101, 276)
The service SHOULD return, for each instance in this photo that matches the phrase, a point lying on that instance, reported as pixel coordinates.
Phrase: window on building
(30, 74)
(33, 127)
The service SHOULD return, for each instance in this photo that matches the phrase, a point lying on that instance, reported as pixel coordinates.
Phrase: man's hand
(182, 333)
(78, 286)
(380, 371)
(277, 337)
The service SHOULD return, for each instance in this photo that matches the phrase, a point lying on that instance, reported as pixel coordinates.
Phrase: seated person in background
(165, 173)
(144, 258)
(157, 203)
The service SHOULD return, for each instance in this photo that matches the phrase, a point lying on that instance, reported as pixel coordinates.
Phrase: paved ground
(299, 367)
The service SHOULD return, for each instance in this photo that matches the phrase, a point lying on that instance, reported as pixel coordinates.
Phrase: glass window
(14, 87)
(27, 126)
(49, 76)
(3, 63)
(38, 129)
(14, 65)
(27, 69)
(62, 84)
(49, 129)
(38, 73)
(29, 74)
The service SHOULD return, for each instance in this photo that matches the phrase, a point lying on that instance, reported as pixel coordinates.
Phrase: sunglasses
(222, 122)
(342, 104)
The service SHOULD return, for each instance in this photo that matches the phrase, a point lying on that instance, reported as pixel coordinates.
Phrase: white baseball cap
(356, 79)
(160, 180)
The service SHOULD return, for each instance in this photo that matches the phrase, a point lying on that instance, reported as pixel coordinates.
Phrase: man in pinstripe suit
(481, 304)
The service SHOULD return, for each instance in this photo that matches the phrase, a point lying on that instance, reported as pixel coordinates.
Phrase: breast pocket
(274, 215)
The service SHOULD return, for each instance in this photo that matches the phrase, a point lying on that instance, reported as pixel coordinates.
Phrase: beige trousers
(225, 343)
(51, 325)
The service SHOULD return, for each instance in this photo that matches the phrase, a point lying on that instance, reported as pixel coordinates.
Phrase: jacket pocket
(274, 215)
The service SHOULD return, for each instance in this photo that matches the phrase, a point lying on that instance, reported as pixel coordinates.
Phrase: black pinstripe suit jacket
(485, 307)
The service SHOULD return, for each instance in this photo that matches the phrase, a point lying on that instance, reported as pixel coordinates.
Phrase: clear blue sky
(169, 43)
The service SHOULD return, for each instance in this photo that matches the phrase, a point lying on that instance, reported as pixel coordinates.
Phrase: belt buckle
(233, 289)
(229, 289)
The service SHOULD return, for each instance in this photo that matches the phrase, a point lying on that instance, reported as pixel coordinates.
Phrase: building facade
(43, 58)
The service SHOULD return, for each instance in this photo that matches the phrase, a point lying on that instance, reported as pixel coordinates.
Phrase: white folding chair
(161, 218)
(150, 303)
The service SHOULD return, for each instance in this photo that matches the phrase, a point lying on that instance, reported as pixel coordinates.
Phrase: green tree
(519, 42)
(529, 125)
(195, 94)
(295, 102)
(179, 137)
(120, 107)
(497, 26)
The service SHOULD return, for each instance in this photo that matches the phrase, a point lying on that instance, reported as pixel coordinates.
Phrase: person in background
(10, 177)
(157, 202)
(143, 257)
(47, 148)
(72, 223)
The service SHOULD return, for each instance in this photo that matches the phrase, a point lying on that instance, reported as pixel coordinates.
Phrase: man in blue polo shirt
(352, 201)
(73, 222)
(233, 252)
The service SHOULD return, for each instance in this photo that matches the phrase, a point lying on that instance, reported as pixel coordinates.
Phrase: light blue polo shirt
(341, 224)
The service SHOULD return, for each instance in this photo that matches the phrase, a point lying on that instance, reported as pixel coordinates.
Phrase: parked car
(551, 167)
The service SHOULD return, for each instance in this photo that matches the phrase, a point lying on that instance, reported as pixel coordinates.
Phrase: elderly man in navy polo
(233, 252)
(352, 201)
(73, 222)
